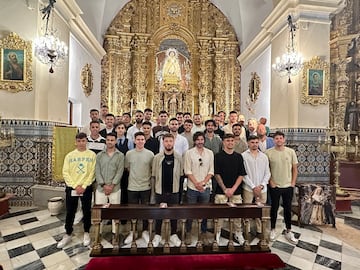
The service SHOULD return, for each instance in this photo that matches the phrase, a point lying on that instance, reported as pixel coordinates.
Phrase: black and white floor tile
(28, 240)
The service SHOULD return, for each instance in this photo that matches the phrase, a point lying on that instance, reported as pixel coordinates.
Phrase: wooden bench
(4, 204)
(198, 212)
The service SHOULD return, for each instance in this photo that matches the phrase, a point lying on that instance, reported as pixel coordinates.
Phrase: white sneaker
(156, 240)
(291, 238)
(64, 241)
(174, 239)
(272, 235)
(239, 237)
(129, 238)
(145, 235)
(86, 239)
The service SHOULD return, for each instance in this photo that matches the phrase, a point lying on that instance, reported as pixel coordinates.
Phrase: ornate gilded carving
(87, 79)
(16, 64)
(315, 79)
(136, 44)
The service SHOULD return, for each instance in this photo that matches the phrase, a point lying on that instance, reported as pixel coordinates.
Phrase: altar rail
(180, 212)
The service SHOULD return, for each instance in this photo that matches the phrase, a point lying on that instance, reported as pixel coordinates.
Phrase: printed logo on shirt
(81, 168)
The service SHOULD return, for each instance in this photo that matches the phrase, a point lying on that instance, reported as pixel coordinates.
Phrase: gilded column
(220, 92)
(140, 82)
(205, 77)
(124, 87)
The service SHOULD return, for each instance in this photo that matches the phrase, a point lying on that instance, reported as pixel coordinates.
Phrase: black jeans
(286, 194)
(169, 198)
(140, 197)
(71, 207)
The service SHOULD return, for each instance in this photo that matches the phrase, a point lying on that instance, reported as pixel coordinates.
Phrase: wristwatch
(262, 187)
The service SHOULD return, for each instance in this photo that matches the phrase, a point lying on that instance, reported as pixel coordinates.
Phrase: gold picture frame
(254, 87)
(15, 67)
(315, 79)
(87, 79)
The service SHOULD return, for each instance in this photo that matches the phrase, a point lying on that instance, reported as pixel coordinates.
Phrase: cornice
(71, 12)
(301, 10)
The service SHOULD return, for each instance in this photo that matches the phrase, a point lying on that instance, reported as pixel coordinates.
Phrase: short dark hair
(94, 110)
(146, 123)
(167, 135)
(172, 119)
(210, 121)
(188, 121)
(163, 112)
(252, 137)
(233, 112)
(198, 134)
(139, 111)
(187, 113)
(94, 122)
(148, 110)
(139, 133)
(127, 113)
(113, 134)
(110, 114)
(228, 135)
(105, 106)
(81, 135)
(119, 124)
(279, 133)
(179, 113)
(236, 125)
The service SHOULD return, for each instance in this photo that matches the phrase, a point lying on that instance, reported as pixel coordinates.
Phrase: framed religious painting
(315, 81)
(15, 66)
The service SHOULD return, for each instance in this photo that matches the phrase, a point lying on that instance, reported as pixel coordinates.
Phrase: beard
(169, 148)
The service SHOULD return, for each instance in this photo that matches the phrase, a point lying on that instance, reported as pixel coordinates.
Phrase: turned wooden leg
(167, 245)
(231, 241)
(183, 245)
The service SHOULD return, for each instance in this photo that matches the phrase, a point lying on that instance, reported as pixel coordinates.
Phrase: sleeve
(127, 163)
(161, 148)
(130, 144)
(120, 169)
(90, 171)
(211, 168)
(267, 173)
(99, 179)
(66, 171)
(294, 157)
(217, 167)
(187, 163)
(153, 167)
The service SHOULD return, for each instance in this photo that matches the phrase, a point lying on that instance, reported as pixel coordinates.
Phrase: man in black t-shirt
(229, 174)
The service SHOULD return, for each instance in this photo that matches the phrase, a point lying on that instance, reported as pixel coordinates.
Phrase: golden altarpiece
(170, 55)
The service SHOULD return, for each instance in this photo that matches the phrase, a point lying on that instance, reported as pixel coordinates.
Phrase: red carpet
(233, 261)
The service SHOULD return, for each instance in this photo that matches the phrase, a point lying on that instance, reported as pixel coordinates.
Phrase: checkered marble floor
(28, 239)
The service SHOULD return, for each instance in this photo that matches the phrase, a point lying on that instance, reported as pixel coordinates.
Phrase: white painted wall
(262, 66)
(78, 58)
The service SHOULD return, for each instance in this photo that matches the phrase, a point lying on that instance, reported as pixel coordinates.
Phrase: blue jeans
(194, 197)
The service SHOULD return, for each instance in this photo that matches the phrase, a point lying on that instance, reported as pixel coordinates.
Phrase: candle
(356, 140)
(319, 139)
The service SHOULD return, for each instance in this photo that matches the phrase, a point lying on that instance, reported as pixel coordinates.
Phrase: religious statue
(173, 104)
(352, 117)
(171, 72)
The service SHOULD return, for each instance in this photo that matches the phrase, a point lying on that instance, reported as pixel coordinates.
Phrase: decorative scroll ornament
(87, 79)
(16, 62)
(254, 87)
(315, 79)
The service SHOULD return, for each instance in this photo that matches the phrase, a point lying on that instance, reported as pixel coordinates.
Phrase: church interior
(294, 62)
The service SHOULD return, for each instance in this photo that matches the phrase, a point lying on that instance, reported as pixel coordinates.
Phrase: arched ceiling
(245, 16)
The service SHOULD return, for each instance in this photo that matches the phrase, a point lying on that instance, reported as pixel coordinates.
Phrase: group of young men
(152, 162)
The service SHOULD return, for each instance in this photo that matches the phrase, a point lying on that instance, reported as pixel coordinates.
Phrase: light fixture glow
(291, 62)
(49, 49)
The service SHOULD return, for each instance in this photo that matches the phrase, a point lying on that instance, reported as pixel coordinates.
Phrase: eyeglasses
(200, 161)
